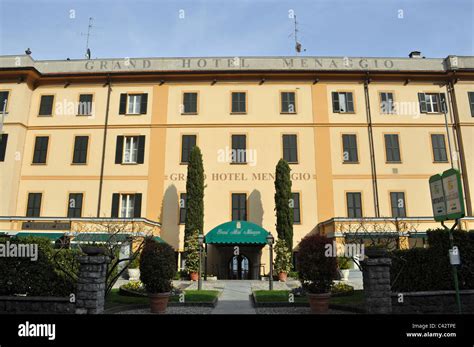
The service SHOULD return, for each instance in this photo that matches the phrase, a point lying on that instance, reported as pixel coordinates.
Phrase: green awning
(158, 239)
(237, 232)
(100, 237)
(420, 235)
(51, 236)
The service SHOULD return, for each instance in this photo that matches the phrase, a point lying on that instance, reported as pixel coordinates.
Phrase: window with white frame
(134, 102)
(130, 150)
(127, 205)
(432, 103)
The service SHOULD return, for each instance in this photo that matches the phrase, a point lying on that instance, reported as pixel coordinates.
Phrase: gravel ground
(293, 310)
(173, 310)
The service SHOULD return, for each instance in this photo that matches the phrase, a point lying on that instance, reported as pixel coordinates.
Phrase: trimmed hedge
(425, 269)
(43, 277)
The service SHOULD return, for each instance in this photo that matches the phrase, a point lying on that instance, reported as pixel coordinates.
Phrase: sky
(55, 29)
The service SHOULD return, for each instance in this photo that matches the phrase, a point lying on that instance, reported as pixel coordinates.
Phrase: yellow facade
(320, 175)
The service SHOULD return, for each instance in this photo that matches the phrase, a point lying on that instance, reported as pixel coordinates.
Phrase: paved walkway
(235, 298)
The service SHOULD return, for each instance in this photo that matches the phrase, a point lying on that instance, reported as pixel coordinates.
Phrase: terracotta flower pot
(159, 302)
(194, 276)
(319, 303)
(282, 276)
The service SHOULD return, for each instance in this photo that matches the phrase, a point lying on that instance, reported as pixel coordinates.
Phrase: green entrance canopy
(51, 236)
(237, 232)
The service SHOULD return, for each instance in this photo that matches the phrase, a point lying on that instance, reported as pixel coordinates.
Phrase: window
(239, 149)
(187, 144)
(471, 102)
(126, 205)
(85, 105)
(34, 205)
(130, 150)
(182, 208)
(3, 146)
(290, 148)
(386, 103)
(190, 103)
(354, 205)
(46, 105)
(239, 206)
(439, 148)
(296, 207)
(392, 148)
(349, 144)
(4, 101)
(432, 102)
(239, 102)
(75, 205)
(288, 103)
(342, 102)
(397, 202)
(133, 103)
(80, 149)
(41, 150)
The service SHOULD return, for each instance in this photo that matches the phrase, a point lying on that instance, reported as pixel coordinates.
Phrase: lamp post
(200, 241)
(270, 241)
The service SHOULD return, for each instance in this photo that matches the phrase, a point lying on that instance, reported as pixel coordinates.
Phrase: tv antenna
(298, 46)
(89, 28)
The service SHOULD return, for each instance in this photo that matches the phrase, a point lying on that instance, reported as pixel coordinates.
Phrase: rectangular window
(349, 144)
(46, 105)
(187, 144)
(296, 208)
(392, 148)
(85, 105)
(239, 206)
(239, 149)
(126, 205)
(130, 150)
(288, 102)
(34, 205)
(342, 102)
(190, 103)
(75, 205)
(3, 146)
(386, 103)
(439, 148)
(432, 102)
(239, 100)
(41, 150)
(4, 101)
(80, 149)
(471, 102)
(290, 148)
(182, 208)
(397, 202)
(354, 205)
(133, 103)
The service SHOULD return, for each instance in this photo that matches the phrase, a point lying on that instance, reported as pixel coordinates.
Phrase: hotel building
(88, 139)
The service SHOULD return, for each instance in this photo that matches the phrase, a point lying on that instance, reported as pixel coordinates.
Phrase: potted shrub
(157, 269)
(316, 271)
(192, 256)
(282, 260)
(133, 269)
(344, 266)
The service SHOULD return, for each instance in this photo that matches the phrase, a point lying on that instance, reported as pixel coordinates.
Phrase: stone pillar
(90, 291)
(377, 288)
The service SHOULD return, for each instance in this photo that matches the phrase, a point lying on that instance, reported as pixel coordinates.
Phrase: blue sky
(146, 28)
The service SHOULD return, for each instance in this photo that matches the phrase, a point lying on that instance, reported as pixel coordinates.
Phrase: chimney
(415, 55)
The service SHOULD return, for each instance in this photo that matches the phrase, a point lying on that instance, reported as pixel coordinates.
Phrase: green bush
(316, 270)
(283, 257)
(54, 273)
(157, 266)
(421, 269)
(191, 248)
(343, 263)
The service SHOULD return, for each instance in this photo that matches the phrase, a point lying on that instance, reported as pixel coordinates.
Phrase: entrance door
(239, 267)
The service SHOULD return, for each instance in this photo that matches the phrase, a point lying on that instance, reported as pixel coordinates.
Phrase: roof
(238, 64)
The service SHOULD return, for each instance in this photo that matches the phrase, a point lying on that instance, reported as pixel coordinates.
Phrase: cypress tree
(194, 194)
(284, 213)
